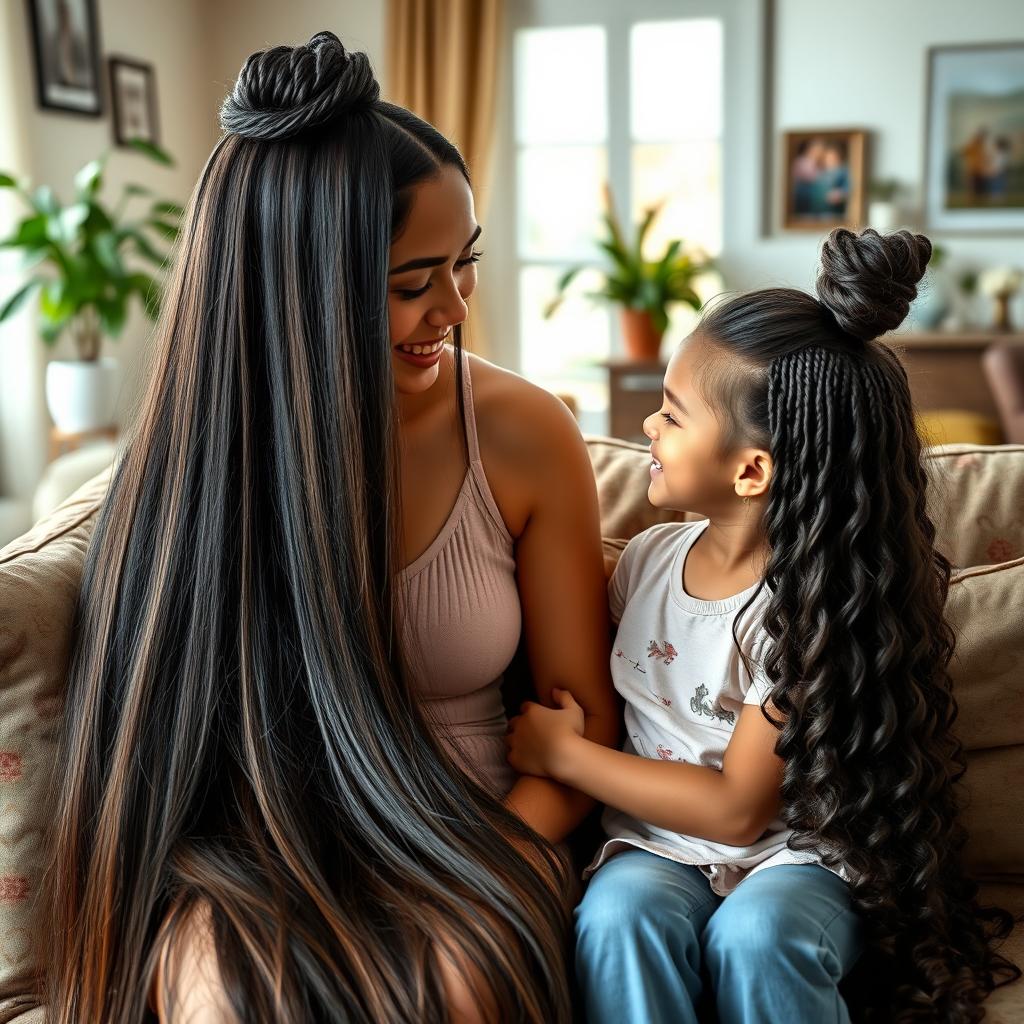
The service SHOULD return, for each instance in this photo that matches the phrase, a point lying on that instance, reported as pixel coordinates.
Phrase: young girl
(784, 803)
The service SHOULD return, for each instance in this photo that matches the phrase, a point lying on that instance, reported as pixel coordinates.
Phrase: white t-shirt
(675, 662)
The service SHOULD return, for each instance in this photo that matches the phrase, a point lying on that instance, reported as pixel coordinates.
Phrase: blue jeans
(649, 932)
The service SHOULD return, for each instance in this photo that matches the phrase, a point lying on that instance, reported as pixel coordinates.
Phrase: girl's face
(431, 277)
(689, 469)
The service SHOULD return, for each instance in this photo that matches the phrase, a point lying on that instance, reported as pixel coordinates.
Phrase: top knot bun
(282, 91)
(868, 281)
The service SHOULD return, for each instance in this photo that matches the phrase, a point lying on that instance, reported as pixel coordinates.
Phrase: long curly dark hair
(860, 648)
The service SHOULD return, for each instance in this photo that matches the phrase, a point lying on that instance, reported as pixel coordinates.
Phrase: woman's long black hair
(860, 649)
(240, 739)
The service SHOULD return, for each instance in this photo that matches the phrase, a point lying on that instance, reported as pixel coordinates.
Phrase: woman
(263, 815)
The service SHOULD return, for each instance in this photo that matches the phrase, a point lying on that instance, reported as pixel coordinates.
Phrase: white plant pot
(80, 395)
(883, 216)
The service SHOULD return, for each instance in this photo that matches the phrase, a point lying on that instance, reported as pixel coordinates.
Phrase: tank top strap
(476, 466)
(472, 440)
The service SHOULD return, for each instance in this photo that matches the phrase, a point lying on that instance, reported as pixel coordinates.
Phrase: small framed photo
(66, 54)
(824, 179)
(133, 101)
(974, 141)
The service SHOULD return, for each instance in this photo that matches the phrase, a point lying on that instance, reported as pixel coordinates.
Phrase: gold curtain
(443, 60)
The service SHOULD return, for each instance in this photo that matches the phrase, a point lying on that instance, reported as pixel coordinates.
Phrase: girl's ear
(753, 473)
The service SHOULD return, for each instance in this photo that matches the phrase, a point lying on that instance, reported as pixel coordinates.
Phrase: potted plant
(78, 257)
(932, 303)
(643, 288)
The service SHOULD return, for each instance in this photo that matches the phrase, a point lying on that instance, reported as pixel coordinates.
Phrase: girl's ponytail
(860, 648)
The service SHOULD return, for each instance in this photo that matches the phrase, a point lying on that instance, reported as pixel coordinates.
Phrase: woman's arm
(562, 587)
(733, 805)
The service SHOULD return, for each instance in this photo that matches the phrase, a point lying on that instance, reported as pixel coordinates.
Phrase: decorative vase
(642, 338)
(80, 394)
(931, 304)
(883, 215)
(1002, 318)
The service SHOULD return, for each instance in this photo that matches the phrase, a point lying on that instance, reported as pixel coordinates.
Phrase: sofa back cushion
(976, 500)
(40, 576)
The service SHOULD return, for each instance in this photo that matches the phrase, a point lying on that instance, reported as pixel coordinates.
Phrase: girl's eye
(667, 417)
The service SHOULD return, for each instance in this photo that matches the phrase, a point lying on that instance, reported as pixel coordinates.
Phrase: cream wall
(857, 65)
(197, 48)
(836, 63)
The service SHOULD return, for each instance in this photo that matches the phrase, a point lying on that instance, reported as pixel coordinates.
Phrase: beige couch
(977, 501)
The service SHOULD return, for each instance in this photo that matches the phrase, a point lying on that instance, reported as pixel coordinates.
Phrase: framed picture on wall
(824, 173)
(133, 100)
(66, 54)
(974, 143)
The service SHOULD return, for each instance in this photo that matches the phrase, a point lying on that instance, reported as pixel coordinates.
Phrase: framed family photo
(824, 179)
(133, 99)
(974, 146)
(66, 55)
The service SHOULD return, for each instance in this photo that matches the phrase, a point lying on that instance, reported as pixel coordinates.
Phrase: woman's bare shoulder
(518, 420)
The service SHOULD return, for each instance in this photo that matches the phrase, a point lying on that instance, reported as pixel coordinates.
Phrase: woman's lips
(422, 360)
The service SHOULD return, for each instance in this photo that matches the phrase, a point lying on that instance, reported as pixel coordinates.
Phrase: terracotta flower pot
(642, 338)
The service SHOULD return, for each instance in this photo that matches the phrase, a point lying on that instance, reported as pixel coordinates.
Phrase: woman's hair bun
(868, 280)
(282, 91)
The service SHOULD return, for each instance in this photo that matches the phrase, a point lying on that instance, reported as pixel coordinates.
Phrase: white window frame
(743, 147)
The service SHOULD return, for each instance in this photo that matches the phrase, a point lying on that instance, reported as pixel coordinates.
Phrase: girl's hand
(538, 738)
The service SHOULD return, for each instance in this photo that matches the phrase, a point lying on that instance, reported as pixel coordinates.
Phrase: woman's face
(431, 277)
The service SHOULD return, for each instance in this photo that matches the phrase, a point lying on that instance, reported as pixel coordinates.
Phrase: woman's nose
(450, 312)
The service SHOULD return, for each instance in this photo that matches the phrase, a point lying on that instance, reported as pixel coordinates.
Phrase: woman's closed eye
(415, 293)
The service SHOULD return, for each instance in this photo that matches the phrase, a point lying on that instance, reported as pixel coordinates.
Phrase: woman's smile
(422, 354)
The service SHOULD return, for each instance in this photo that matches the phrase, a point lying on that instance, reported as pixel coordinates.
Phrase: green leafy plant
(634, 282)
(82, 252)
(885, 190)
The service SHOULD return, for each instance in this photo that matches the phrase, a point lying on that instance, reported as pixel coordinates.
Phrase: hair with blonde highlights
(240, 735)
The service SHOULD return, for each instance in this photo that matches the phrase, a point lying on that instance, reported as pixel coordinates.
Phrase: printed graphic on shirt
(629, 661)
(665, 753)
(667, 654)
(700, 705)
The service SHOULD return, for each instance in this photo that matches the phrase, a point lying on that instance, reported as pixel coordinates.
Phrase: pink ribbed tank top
(463, 620)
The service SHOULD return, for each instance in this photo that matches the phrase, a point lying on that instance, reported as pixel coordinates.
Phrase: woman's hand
(539, 737)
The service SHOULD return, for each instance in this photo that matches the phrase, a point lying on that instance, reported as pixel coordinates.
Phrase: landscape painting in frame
(974, 174)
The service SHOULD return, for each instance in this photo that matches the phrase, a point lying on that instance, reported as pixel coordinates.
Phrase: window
(607, 101)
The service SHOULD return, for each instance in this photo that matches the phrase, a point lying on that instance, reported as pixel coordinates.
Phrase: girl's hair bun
(282, 91)
(868, 280)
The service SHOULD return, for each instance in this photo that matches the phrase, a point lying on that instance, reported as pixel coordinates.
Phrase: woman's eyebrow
(432, 261)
